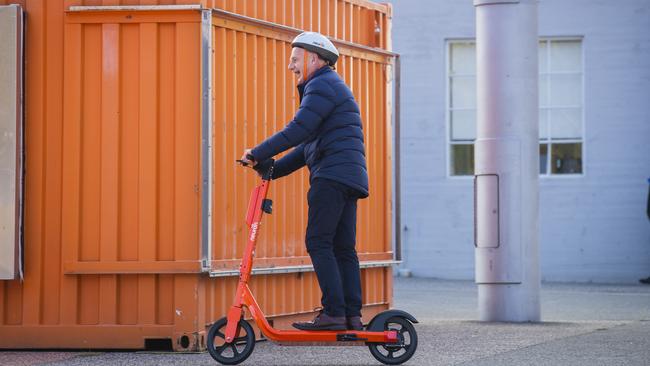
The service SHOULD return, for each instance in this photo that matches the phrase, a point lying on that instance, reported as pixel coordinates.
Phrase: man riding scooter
(326, 134)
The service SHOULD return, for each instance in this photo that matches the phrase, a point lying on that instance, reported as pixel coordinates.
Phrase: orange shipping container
(134, 211)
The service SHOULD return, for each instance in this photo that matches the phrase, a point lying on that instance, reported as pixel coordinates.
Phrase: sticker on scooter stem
(254, 231)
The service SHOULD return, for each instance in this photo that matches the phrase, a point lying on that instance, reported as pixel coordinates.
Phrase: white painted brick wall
(594, 227)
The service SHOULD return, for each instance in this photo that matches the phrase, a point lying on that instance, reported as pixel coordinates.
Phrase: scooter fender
(377, 323)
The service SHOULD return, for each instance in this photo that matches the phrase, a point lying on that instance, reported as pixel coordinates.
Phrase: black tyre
(403, 350)
(230, 353)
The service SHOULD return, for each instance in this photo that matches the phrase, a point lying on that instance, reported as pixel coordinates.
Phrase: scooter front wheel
(403, 350)
(234, 352)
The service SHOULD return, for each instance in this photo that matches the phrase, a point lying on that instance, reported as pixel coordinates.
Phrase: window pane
(543, 90)
(543, 124)
(565, 90)
(462, 159)
(543, 158)
(463, 58)
(463, 125)
(463, 92)
(566, 158)
(541, 57)
(565, 123)
(560, 106)
(566, 56)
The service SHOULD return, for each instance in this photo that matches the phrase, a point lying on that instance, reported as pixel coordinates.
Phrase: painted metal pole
(506, 181)
(207, 174)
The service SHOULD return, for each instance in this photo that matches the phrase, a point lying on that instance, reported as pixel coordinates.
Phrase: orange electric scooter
(390, 335)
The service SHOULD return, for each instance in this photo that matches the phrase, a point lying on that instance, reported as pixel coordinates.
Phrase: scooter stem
(253, 219)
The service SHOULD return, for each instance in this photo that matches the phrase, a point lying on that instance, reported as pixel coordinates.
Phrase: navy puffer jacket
(326, 133)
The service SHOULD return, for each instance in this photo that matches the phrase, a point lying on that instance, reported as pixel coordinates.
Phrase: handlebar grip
(244, 163)
(263, 168)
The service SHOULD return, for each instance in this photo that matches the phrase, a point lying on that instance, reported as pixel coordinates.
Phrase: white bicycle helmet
(319, 44)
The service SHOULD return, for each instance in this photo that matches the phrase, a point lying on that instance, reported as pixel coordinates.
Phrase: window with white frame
(560, 106)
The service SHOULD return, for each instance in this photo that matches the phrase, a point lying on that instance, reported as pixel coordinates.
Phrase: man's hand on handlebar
(247, 159)
(263, 168)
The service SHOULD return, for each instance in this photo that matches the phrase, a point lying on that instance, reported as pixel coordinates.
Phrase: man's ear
(315, 58)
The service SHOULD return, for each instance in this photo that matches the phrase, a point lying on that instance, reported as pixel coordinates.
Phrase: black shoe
(645, 281)
(323, 321)
(354, 323)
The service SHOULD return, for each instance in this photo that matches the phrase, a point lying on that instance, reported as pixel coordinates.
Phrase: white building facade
(594, 64)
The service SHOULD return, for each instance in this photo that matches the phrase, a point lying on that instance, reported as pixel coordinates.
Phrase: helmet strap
(304, 65)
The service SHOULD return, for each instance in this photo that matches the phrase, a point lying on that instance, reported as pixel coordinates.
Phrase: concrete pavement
(584, 324)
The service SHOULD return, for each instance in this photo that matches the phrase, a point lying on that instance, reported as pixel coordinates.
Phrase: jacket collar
(321, 71)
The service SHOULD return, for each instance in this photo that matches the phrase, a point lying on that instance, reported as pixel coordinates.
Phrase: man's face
(296, 62)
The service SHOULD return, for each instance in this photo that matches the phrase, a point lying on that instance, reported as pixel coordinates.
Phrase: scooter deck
(321, 344)
(328, 338)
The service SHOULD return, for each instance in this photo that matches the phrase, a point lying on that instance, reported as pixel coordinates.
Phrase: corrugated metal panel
(131, 142)
(254, 97)
(113, 194)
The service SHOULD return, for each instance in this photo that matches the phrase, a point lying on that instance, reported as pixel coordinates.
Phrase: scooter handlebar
(244, 162)
(264, 168)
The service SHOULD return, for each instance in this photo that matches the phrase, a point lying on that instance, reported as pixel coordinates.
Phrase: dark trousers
(331, 238)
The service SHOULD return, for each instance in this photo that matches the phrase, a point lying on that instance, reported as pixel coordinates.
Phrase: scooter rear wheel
(403, 350)
(234, 352)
